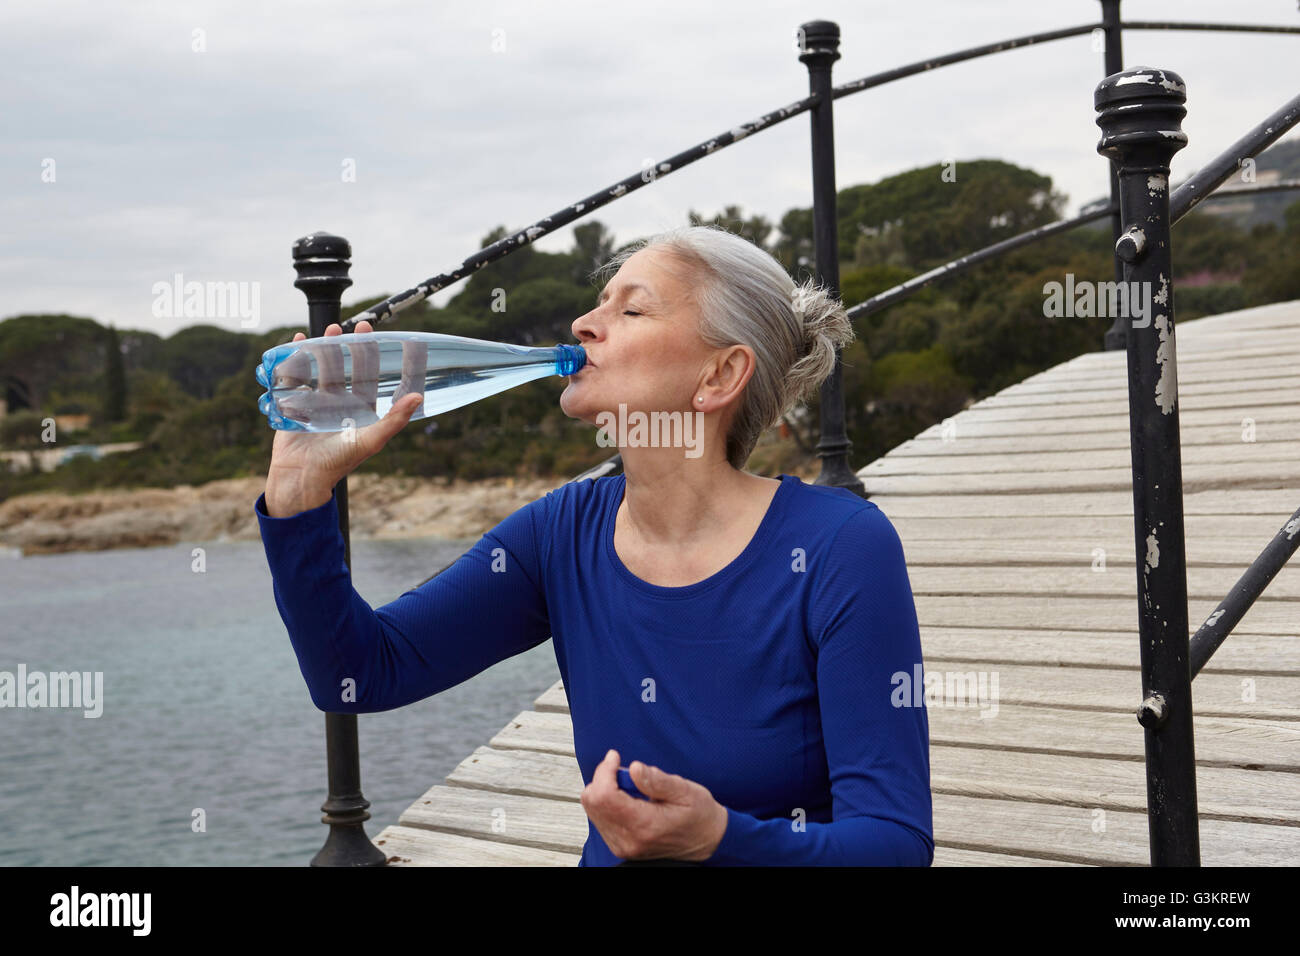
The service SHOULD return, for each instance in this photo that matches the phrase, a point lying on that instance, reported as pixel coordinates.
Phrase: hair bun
(825, 327)
(821, 316)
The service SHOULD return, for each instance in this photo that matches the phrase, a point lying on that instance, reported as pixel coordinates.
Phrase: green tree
(114, 379)
(593, 245)
(756, 229)
(43, 353)
(200, 356)
(794, 246)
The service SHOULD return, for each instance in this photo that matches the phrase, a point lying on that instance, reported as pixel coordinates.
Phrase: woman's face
(642, 343)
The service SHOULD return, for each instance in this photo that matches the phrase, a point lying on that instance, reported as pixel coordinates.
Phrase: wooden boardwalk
(1016, 517)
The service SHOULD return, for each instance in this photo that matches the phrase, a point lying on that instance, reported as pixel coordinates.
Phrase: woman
(735, 638)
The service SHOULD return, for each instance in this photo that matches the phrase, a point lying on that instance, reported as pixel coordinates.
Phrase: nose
(585, 327)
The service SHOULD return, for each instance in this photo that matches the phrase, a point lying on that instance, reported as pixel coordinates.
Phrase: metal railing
(1140, 114)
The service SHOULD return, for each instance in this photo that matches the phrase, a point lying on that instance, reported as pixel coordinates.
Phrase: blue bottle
(334, 382)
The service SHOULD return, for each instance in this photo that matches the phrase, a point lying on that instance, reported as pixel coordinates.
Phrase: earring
(699, 398)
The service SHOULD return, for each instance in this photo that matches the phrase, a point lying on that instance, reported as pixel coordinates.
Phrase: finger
(333, 329)
(298, 337)
(364, 326)
(409, 404)
(607, 771)
(400, 413)
(415, 367)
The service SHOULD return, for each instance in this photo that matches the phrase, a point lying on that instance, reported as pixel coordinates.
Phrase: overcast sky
(208, 163)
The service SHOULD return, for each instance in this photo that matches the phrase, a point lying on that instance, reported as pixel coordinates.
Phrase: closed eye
(630, 312)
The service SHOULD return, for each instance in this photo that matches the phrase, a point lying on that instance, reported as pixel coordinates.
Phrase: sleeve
(875, 729)
(488, 606)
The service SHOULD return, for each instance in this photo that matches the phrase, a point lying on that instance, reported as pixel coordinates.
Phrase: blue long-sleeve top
(783, 683)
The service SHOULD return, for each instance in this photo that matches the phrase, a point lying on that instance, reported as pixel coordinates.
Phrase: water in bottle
(334, 382)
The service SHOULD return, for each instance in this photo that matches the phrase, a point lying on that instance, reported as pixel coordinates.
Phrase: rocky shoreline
(379, 506)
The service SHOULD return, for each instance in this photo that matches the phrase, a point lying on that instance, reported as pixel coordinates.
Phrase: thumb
(651, 781)
(374, 437)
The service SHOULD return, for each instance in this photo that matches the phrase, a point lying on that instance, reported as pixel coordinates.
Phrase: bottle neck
(569, 359)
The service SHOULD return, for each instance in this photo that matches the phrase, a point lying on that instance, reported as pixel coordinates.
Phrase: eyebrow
(604, 293)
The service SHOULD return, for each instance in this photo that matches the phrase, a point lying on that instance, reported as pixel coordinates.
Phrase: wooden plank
(412, 847)
(1200, 353)
(1220, 741)
(1196, 477)
(1254, 317)
(1049, 548)
(559, 825)
(1277, 503)
(1205, 349)
(553, 699)
(1202, 365)
(1250, 796)
(1204, 379)
(932, 441)
(1195, 368)
(1245, 455)
(1119, 689)
(971, 423)
(1196, 356)
(951, 856)
(1242, 655)
(1209, 584)
(1117, 389)
(1108, 837)
(1085, 614)
(1240, 536)
(523, 772)
(1088, 406)
(534, 730)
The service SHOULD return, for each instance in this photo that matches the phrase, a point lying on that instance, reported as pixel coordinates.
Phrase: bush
(1208, 300)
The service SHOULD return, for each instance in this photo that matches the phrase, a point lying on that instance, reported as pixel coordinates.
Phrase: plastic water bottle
(334, 382)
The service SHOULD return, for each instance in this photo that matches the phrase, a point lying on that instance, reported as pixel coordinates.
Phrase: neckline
(734, 567)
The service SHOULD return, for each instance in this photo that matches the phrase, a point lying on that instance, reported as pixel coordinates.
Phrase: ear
(729, 374)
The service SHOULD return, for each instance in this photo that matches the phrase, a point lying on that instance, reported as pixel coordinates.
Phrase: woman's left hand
(680, 821)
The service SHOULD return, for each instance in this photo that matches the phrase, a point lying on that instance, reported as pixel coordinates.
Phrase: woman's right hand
(305, 466)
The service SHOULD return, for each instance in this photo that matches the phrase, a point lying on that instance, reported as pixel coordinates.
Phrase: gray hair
(745, 297)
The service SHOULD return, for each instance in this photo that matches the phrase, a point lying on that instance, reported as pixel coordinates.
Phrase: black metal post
(1140, 113)
(1113, 62)
(322, 262)
(819, 45)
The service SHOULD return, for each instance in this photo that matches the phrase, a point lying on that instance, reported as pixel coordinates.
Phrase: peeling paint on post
(1140, 113)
